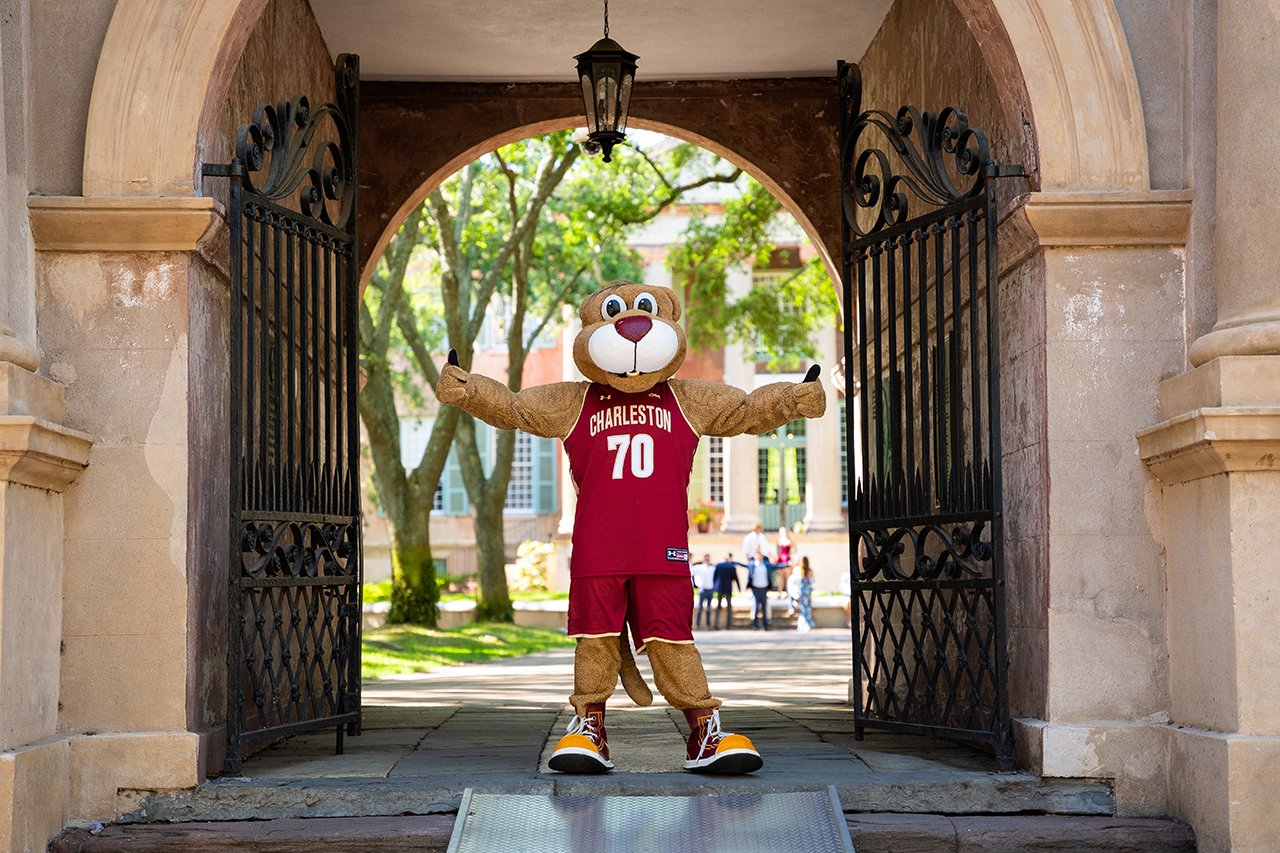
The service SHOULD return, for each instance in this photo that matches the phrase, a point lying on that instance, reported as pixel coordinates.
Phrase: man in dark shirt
(726, 581)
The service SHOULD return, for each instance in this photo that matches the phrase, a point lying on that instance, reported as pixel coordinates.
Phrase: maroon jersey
(630, 455)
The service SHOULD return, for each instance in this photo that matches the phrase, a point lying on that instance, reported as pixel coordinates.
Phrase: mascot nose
(633, 328)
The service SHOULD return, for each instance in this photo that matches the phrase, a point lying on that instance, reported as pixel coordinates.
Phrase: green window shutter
(544, 475)
(455, 491)
(698, 476)
(485, 436)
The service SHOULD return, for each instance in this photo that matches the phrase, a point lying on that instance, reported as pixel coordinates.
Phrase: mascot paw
(811, 399)
(453, 381)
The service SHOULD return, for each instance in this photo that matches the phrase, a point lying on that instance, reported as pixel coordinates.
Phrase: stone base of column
(825, 524)
(1217, 455)
(1134, 755)
(67, 778)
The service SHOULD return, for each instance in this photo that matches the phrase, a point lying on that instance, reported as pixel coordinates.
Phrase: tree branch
(674, 192)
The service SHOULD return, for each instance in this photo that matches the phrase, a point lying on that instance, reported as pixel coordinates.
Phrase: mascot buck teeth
(630, 434)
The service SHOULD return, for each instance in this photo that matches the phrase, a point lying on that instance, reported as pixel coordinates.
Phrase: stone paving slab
(492, 727)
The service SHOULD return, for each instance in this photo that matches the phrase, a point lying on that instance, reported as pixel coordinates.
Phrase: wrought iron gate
(295, 560)
(925, 512)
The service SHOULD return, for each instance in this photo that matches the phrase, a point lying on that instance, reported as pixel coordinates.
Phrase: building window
(520, 488)
(715, 470)
(783, 474)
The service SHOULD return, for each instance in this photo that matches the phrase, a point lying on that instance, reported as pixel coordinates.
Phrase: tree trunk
(415, 595)
(493, 601)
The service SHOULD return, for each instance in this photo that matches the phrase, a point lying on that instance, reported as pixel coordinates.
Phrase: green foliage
(412, 648)
(776, 317)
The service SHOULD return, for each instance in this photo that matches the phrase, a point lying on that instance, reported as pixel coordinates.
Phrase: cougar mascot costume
(630, 433)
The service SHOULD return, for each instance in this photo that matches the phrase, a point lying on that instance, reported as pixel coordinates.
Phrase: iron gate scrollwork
(917, 192)
(295, 557)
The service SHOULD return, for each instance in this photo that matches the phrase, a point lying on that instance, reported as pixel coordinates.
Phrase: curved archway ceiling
(534, 40)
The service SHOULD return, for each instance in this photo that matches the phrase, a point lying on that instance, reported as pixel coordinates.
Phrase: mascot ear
(675, 304)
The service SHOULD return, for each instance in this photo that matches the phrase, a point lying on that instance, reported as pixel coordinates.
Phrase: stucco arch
(165, 62)
(386, 222)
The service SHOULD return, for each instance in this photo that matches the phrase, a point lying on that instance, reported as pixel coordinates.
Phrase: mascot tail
(632, 680)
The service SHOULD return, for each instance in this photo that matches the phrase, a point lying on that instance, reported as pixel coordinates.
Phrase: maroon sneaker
(712, 750)
(585, 746)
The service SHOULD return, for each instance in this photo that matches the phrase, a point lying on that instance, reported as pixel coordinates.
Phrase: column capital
(1211, 441)
(1129, 218)
(126, 224)
(35, 452)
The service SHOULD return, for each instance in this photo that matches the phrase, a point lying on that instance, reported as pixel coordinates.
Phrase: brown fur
(678, 672)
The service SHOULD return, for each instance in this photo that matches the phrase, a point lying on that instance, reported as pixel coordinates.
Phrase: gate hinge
(997, 171)
(222, 170)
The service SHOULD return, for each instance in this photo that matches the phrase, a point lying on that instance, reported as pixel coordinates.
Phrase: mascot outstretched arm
(630, 432)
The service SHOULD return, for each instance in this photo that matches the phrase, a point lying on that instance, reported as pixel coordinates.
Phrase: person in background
(704, 580)
(793, 593)
(783, 567)
(756, 548)
(725, 581)
(805, 599)
(758, 583)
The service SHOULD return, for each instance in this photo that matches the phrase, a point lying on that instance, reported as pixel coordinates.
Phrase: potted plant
(701, 516)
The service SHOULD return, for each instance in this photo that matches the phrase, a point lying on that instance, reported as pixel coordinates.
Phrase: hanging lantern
(606, 72)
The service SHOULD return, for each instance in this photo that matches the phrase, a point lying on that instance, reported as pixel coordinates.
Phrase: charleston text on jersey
(632, 415)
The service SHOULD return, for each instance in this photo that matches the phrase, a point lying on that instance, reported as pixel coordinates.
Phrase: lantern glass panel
(607, 96)
(588, 98)
(624, 101)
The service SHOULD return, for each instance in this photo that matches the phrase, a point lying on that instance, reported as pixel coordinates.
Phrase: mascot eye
(612, 307)
(646, 302)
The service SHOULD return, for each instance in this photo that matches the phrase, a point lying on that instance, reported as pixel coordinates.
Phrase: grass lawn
(410, 648)
(381, 591)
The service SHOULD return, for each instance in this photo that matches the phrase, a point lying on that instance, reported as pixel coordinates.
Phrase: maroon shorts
(654, 607)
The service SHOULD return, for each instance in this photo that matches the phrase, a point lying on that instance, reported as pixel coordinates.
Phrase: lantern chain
(606, 18)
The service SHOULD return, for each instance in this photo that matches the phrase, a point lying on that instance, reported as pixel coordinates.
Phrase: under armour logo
(606, 396)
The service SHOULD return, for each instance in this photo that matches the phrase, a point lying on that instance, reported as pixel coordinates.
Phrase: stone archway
(163, 76)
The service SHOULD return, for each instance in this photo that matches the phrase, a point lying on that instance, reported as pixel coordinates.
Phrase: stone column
(1216, 453)
(741, 465)
(822, 495)
(1248, 184)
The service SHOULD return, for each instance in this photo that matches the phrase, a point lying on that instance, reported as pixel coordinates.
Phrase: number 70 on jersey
(638, 447)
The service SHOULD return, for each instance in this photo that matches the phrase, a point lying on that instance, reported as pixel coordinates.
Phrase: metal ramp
(808, 822)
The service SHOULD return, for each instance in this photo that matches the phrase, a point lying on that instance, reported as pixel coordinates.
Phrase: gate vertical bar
(235, 724)
(348, 84)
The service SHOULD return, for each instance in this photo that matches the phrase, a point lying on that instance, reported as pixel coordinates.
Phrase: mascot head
(630, 339)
